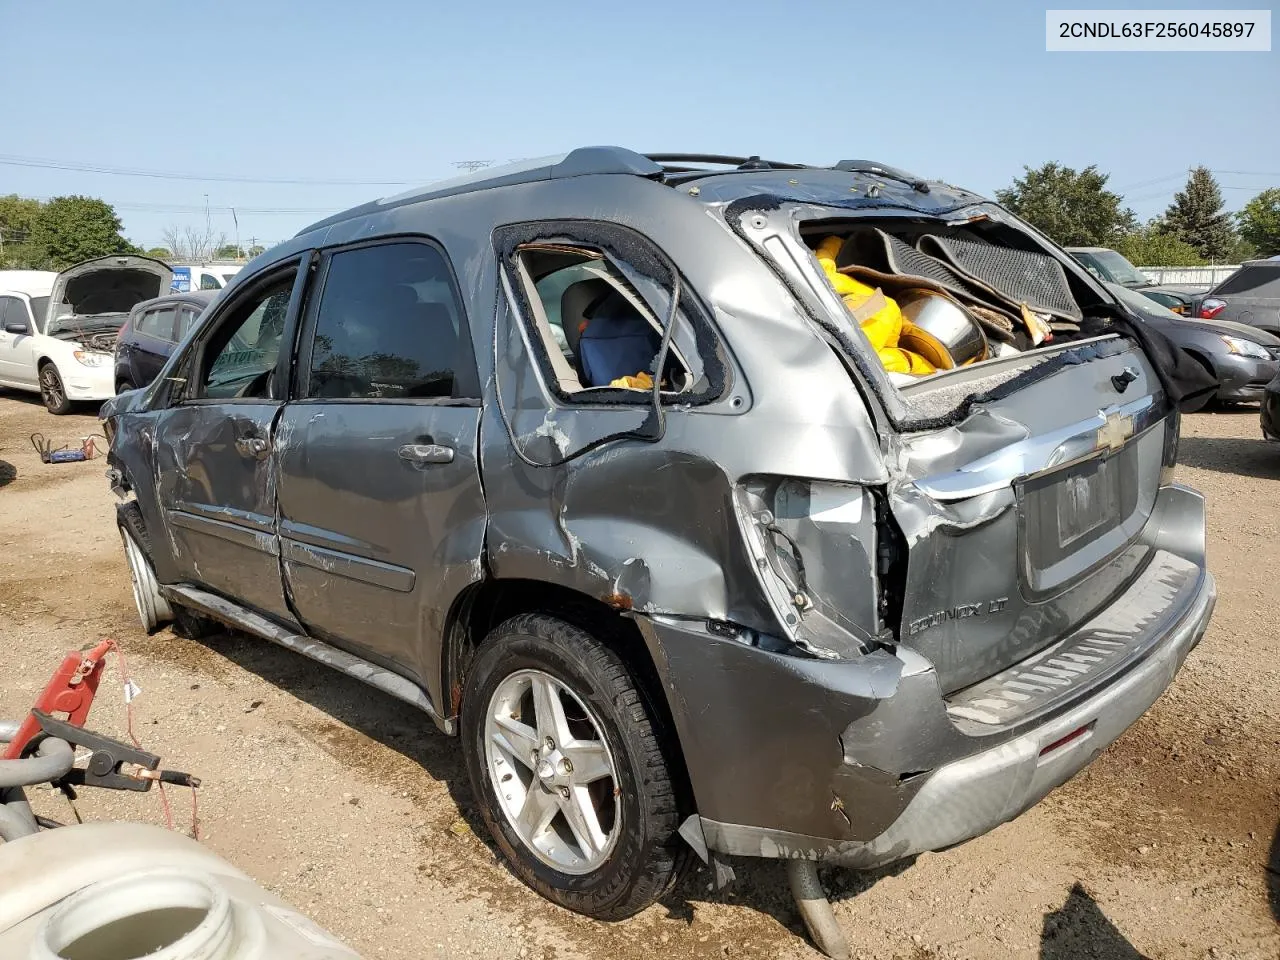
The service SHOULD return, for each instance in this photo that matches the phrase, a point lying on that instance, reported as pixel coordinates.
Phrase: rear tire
(633, 854)
(52, 391)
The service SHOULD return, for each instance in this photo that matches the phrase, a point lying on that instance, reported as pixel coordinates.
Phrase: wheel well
(489, 603)
(485, 605)
(1201, 359)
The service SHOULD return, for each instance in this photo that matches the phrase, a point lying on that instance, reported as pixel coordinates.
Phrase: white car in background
(188, 277)
(58, 330)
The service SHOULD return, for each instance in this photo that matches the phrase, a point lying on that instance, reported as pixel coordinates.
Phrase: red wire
(128, 710)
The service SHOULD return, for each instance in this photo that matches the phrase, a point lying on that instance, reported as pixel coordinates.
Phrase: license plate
(1088, 500)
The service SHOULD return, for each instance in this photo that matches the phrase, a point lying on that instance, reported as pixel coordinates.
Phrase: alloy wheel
(552, 771)
(51, 387)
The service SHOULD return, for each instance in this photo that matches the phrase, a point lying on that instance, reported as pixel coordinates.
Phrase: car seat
(617, 341)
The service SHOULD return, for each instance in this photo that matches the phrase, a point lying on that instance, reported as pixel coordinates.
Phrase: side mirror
(16, 326)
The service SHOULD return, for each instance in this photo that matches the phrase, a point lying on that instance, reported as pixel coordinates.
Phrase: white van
(58, 330)
(203, 276)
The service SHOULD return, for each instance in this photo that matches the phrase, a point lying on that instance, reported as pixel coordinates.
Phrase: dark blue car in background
(153, 329)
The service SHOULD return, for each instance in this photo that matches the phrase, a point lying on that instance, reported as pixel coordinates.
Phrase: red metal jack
(70, 692)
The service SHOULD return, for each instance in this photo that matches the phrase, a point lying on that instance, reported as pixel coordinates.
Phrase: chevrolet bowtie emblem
(1113, 434)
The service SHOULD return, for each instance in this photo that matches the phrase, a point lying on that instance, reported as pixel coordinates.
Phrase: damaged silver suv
(718, 506)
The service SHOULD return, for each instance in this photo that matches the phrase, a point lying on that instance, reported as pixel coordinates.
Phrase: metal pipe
(815, 909)
(16, 818)
(8, 730)
(53, 758)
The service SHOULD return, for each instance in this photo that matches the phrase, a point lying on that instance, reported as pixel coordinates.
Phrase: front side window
(13, 311)
(157, 322)
(387, 327)
(209, 282)
(240, 357)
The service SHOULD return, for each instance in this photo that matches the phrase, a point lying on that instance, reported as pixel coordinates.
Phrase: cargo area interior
(934, 297)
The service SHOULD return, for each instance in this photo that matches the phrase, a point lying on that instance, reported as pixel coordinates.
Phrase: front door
(381, 510)
(16, 359)
(217, 475)
(151, 343)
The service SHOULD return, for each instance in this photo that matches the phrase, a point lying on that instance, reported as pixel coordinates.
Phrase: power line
(47, 164)
(144, 206)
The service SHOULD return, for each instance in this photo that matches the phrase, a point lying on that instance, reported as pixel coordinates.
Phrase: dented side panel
(218, 500)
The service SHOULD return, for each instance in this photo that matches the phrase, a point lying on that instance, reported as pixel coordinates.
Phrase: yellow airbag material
(878, 315)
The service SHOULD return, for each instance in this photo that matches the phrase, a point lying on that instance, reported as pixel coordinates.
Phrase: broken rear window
(597, 330)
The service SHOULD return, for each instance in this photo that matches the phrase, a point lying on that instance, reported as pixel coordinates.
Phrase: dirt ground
(355, 809)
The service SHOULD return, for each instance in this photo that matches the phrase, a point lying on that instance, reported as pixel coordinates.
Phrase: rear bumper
(860, 763)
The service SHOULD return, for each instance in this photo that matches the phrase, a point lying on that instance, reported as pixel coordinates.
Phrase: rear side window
(186, 317)
(157, 322)
(388, 326)
(209, 282)
(1260, 281)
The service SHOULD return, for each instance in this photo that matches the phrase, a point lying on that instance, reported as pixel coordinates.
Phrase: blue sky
(400, 90)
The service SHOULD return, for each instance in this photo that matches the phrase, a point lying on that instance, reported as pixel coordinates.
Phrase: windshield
(1114, 267)
(1145, 306)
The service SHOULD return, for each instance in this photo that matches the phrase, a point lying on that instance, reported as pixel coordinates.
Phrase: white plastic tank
(122, 891)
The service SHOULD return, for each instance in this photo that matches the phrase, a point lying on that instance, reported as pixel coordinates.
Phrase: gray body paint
(836, 732)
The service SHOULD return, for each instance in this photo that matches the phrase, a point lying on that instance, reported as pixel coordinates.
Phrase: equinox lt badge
(960, 611)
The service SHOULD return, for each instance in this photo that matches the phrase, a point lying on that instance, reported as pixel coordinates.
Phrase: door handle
(426, 453)
(254, 447)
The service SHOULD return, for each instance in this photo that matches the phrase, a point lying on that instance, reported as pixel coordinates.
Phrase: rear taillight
(1211, 308)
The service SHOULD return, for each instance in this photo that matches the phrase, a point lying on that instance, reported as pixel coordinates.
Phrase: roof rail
(580, 162)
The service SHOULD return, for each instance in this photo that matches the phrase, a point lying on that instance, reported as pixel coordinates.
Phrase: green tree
(1260, 223)
(229, 251)
(1197, 216)
(160, 253)
(17, 219)
(1075, 208)
(256, 249)
(71, 229)
(1149, 247)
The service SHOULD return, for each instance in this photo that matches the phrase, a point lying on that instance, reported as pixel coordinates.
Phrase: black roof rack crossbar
(747, 163)
(884, 170)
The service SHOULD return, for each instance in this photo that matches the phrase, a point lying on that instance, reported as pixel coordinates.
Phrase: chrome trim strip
(1042, 453)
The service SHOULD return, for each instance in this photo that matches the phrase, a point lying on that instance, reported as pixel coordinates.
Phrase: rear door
(216, 473)
(381, 510)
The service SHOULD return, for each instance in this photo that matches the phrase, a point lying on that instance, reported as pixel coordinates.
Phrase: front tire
(52, 391)
(153, 608)
(566, 763)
